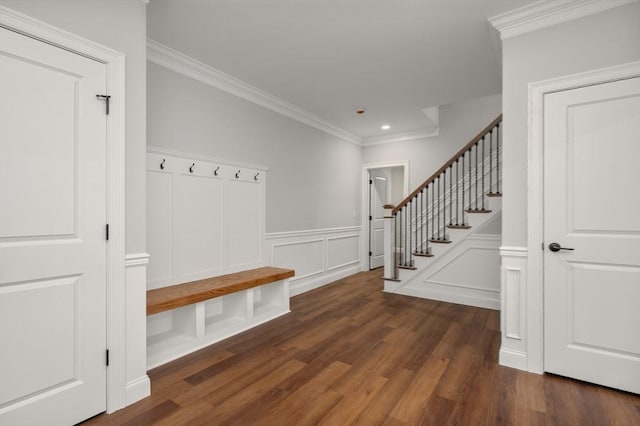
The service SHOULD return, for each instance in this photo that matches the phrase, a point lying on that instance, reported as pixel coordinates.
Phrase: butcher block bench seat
(186, 317)
(176, 296)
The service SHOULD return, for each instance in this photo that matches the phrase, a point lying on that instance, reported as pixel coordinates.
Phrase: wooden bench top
(176, 296)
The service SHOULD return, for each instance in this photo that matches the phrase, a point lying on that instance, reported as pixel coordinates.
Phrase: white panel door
(377, 200)
(592, 205)
(52, 234)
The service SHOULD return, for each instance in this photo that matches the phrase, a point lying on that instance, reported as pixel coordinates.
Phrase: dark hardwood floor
(350, 354)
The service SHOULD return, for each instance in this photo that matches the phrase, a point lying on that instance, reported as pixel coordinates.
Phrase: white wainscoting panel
(468, 274)
(205, 217)
(318, 256)
(138, 385)
(513, 350)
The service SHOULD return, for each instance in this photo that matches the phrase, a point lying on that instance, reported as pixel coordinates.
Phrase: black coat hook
(162, 164)
(238, 174)
(215, 172)
(191, 168)
(256, 176)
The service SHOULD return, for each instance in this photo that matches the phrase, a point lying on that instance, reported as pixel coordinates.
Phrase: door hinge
(370, 254)
(107, 357)
(107, 99)
(370, 181)
(370, 217)
(542, 245)
(106, 231)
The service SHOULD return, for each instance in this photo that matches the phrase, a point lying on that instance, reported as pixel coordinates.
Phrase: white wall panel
(198, 247)
(319, 256)
(244, 222)
(159, 227)
(342, 251)
(305, 257)
(205, 217)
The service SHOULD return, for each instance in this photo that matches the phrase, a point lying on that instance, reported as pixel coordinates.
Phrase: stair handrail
(446, 165)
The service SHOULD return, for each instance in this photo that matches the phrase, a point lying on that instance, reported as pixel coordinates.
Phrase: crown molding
(172, 59)
(546, 13)
(401, 137)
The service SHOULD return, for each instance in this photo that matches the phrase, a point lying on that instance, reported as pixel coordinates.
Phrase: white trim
(115, 64)
(323, 231)
(535, 198)
(136, 259)
(318, 273)
(543, 14)
(364, 257)
(138, 389)
(199, 157)
(176, 61)
(513, 251)
(400, 137)
(513, 359)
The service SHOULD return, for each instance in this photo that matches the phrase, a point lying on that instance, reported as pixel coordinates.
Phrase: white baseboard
(311, 283)
(467, 298)
(513, 359)
(138, 389)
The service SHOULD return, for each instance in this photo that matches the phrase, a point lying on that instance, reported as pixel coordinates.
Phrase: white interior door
(52, 234)
(377, 200)
(592, 205)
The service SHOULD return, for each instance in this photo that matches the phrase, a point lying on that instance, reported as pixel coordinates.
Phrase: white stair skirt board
(467, 271)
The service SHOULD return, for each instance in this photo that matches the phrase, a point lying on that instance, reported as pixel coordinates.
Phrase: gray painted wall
(122, 26)
(597, 41)
(314, 178)
(458, 124)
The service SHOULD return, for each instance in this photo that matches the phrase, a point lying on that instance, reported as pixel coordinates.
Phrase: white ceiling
(329, 57)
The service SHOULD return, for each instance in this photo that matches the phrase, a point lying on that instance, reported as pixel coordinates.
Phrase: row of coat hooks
(216, 172)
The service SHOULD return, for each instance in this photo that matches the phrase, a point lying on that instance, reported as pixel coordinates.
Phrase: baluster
(457, 190)
(422, 221)
(438, 224)
(410, 223)
(498, 158)
(451, 194)
(395, 245)
(491, 162)
(462, 204)
(426, 241)
(470, 159)
(476, 176)
(482, 192)
(433, 212)
(444, 199)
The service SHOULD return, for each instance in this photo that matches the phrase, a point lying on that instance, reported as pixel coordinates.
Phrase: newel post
(389, 248)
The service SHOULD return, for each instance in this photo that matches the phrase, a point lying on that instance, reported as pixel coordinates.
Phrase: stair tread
(411, 268)
(459, 226)
(423, 254)
(477, 211)
(440, 241)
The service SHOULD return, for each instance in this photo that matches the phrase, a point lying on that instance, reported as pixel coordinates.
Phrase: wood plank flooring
(351, 354)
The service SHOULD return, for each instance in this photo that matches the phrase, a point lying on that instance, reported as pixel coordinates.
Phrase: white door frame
(364, 256)
(535, 273)
(115, 64)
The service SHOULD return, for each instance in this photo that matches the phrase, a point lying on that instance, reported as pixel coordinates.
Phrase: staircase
(431, 227)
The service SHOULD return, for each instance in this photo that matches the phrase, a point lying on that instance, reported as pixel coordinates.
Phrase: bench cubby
(186, 317)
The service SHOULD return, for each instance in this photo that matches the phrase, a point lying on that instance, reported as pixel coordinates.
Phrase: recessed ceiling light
(360, 111)
(385, 127)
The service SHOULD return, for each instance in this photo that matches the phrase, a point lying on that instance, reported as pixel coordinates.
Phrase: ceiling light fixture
(360, 111)
(385, 127)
